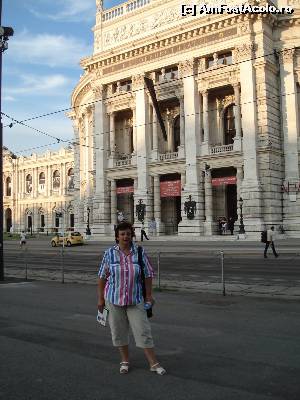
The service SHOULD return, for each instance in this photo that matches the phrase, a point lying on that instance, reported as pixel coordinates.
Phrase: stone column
(239, 181)
(181, 151)
(157, 205)
(63, 179)
(192, 145)
(237, 118)
(34, 182)
(49, 180)
(208, 203)
(142, 131)
(134, 129)
(154, 131)
(290, 125)
(112, 134)
(78, 173)
(113, 202)
(170, 132)
(101, 206)
(251, 190)
(205, 116)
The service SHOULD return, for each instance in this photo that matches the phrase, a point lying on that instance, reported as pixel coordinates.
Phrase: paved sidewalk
(213, 347)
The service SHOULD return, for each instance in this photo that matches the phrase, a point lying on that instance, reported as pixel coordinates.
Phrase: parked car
(69, 239)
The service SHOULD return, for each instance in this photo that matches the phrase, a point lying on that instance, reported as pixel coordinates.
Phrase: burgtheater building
(227, 87)
(36, 189)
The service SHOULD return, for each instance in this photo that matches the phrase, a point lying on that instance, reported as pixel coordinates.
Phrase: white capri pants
(120, 318)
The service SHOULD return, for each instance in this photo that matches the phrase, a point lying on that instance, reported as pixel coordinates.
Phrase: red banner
(170, 188)
(225, 180)
(125, 189)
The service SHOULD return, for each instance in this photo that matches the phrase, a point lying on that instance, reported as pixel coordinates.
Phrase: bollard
(222, 267)
(158, 270)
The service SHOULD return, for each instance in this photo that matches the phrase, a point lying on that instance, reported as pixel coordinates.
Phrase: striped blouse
(123, 276)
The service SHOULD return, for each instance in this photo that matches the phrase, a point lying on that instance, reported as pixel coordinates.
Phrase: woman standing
(120, 291)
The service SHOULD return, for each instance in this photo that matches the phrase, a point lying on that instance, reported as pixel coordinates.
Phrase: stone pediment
(168, 90)
(120, 102)
(218, 77)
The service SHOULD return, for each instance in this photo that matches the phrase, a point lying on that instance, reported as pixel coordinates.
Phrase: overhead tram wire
(160, 83)
(121, 129)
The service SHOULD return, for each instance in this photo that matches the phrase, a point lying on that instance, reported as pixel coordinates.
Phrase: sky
(41, 67)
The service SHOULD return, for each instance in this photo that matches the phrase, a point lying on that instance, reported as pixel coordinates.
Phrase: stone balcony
(168, 156)
(124, 161)
(221, 148)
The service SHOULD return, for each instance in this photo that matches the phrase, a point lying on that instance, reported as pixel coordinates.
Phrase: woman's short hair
(123, 226)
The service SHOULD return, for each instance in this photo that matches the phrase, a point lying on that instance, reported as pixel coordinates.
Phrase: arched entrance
(224, 194)
(125, 203)
(8, 219)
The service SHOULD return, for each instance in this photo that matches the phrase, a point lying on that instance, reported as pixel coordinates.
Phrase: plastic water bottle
(148, 308)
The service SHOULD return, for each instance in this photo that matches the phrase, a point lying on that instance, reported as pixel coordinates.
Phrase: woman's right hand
(101, 305)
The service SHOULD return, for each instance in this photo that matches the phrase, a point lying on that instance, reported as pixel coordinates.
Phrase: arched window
(71, 178)
(28, 183)
(229, 125)
(42, 180)
(56, 180)
(176, 133)
(8, 186)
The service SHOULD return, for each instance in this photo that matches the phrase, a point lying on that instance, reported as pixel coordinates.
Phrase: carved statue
(99, 5)
(140, 210)
(190, 208)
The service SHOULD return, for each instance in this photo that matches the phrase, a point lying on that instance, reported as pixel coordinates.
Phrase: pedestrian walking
(231, 225)
(270, 240)
(120, 291)
(22, 239)
(224, 227)
(143, 233)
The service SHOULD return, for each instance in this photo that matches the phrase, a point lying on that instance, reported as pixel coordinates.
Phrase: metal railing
(173, 269)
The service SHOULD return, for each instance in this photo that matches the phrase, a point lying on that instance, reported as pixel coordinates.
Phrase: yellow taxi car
(69, 239)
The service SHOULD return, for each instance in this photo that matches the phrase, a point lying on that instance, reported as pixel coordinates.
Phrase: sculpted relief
(155, 21)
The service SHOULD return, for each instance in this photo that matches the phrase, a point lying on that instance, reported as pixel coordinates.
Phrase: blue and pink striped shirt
(123, 275)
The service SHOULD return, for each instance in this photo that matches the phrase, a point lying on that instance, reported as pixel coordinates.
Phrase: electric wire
(156, 84)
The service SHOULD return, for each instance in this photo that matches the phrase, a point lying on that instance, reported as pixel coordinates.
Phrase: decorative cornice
(179, 42)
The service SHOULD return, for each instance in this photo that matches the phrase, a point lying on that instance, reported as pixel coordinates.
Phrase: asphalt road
(213, 347)
(194, 262)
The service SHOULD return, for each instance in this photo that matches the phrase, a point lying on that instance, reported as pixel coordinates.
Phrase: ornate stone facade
(36, 188)
(227, 87)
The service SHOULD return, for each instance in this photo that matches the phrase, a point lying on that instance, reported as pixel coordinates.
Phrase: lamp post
(5, 33)
(242, 226)
(88, 230)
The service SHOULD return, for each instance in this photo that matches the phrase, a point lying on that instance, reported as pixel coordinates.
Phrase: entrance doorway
(29, 223)
(125, 203)
(231, 202)
(170, 192)
(8, 219)
(224, 194)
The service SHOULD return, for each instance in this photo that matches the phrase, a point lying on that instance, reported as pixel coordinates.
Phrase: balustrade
(221, 149)
(168, 156)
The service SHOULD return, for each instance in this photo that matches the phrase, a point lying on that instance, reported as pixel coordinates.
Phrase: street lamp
(5, 33)
(88, 230)
(242, 226)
